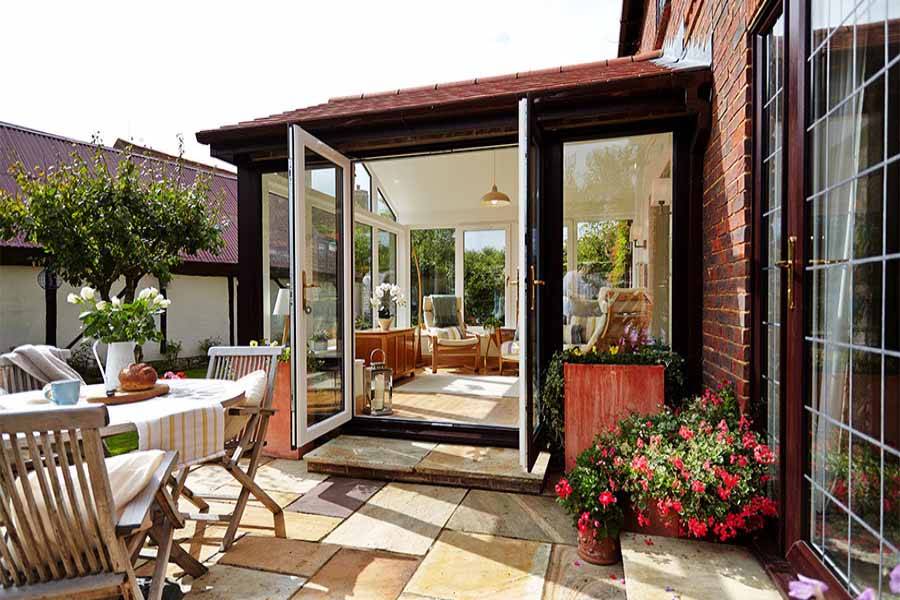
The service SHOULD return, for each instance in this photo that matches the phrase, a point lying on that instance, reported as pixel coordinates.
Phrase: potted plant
(587, 392)
(120, 325)
(382, 297)
(701, 472)
(320, 341)
(491, 324)
(591, 493)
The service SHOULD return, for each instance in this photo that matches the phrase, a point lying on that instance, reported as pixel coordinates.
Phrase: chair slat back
(57, 516)
(233, 362)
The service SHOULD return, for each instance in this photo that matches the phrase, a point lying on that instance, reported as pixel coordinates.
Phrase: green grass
(198, 373)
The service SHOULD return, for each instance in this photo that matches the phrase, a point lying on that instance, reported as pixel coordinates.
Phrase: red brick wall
(726, 177)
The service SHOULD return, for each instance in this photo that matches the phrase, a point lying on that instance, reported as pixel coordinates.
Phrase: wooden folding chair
(14, 380)
(232, 363)
(59, 532)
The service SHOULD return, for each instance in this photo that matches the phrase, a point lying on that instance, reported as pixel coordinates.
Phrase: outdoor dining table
(228, 393)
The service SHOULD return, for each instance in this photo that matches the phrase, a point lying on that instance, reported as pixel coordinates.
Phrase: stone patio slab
(283, 475)
(467, 566)
(692, 570)
(383, 454)
(336, 497)
(290, 557)
(571, 578)
(521, 516)
(227, 583)
(481, 461)
(281, 498)
(360, 575)
(298, 526)
(402, 517)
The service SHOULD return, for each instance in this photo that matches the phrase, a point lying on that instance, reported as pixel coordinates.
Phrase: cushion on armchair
(446, 310)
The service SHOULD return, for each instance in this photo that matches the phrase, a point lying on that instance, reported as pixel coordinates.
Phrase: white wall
(199, 310)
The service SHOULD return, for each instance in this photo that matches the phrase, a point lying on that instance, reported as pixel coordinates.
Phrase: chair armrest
(137, 510)
(237, 411)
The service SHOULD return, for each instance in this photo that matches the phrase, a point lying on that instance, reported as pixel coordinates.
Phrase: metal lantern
(381, 385)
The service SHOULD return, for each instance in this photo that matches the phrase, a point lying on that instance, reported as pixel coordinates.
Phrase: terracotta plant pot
(278, 436)
(665, 526)
(602, 551)
(598, 396)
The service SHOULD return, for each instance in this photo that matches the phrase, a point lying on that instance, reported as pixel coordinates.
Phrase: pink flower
(868, 594)
(806, 587)
(563, 488)
(685, 433)
(895, 580)
(698, 486)
(606, 498)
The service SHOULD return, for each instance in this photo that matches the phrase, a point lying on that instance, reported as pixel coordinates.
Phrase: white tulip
(87, 293)
(165, 303)
(116, 301)
(73, 299)
(145, 293)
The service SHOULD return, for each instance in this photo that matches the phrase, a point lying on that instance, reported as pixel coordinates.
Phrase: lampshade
(283, 302)
(494, 198)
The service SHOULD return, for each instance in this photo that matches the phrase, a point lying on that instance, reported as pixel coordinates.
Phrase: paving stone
(692, 570)
(464, 566)
(571, 578)
(371, 453)
(520, 516)
(402, 517)
(206, 479)
(290, 557)
(283, 475)
(483, 461)
(298, 526)
(336, 497)
(228, 583)
(281, 498)
(360, 575)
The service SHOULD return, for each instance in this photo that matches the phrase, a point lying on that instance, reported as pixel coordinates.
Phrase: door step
(481, 467)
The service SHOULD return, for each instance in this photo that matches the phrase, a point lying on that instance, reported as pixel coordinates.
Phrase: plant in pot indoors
(320, 341)
(120, 325)
(491, 324)
(591, 493)
(382, 298)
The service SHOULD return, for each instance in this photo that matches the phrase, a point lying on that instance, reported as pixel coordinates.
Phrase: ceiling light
(494, 198)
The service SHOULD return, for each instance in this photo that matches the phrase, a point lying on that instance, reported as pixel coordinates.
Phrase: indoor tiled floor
(362, 539)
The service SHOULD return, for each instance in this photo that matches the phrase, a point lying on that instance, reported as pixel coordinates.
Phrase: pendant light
(494, 198)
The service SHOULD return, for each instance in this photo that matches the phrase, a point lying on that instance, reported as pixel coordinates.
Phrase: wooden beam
(250, 250)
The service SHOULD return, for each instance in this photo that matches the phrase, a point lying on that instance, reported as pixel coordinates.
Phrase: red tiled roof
(35, 148)
(514, 84)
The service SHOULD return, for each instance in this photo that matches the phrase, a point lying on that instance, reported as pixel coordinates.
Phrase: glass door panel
(484, 275)
(320, 204)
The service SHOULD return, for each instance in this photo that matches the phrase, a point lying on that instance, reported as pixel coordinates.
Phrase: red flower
(563, 488)
(749, 439)
(642, 520)
(678, 463)
(763, 455)
(698, 486)
(685, 433)
(723, 492)
(606, 498)
(697, 528)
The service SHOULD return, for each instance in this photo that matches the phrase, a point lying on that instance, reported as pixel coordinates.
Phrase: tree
(97, 224)
(484, 283)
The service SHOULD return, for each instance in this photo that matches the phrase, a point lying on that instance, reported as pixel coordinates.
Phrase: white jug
(118, 356)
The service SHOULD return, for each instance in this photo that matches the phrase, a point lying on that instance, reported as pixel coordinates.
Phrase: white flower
(73, 299)
(253, 343)
(101, 304)
(375, 302)
(163, 302)
(146, 293)
(274, 344)
(88, 293)
(116, 301)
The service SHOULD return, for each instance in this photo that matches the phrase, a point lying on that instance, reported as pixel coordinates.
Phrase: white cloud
(148, 71)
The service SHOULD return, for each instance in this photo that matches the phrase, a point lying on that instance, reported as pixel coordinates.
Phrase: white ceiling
(447, 188)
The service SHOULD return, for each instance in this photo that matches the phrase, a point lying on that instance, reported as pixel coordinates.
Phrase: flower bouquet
(382, 297)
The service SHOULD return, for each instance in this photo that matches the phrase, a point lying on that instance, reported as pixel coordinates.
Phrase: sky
(151, 71)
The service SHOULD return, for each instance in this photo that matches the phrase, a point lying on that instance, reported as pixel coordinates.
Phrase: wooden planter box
(278, 436)
(598, 396)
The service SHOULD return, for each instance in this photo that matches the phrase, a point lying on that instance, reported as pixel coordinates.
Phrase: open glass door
(320, 271)
(530, 285)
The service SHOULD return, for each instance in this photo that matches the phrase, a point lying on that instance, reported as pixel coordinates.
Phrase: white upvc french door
(321, 275)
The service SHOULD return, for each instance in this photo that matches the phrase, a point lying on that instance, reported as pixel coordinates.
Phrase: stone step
(662, 568)
(481, 467)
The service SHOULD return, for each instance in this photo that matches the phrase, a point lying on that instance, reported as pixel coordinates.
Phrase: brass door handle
(534, 283)
(305, 286)
(788, 265)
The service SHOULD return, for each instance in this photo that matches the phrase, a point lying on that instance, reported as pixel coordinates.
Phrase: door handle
(534, 283)
(306, 286)
(788, 265)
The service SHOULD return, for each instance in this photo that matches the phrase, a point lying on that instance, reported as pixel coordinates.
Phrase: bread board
(127, 397)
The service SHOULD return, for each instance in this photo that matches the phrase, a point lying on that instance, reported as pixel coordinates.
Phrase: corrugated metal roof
(39, 149)
(513, 84)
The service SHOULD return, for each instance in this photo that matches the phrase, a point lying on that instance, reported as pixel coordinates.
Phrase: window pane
(618, 194)
(362, 276)
(384, 208)
(362, 187)
(435, 250)
(484, 275)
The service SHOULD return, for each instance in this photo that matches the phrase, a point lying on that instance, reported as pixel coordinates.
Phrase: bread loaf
(137, 377)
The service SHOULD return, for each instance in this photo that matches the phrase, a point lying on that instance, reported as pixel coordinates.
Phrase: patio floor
(367, 539)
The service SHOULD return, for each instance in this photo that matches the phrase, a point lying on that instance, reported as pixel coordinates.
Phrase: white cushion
(510, 348)
(254, 385)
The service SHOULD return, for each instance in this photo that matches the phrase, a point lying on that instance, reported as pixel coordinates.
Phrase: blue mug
(63, 392)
